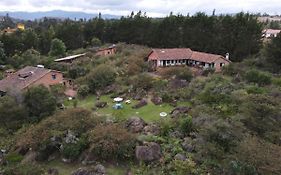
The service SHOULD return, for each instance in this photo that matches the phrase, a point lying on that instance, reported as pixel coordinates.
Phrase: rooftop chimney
(227, 56)
(40, 66)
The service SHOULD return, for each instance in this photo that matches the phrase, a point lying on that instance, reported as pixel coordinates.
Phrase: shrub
(23, 169)
(101, 77)
(142, 81)
(260, 78)
(183, 73)
(58, 48)
(39, 102)
(95, 42)
(73, 150)
(77, 71)
(259, 113)
(167, 97)
(263, 156)
(184, 167)
(186, 125)
(11, 113)
(255, 90)
(13, 158)
(76, 119)
(112, 142)
(208, 71)
(83, 91)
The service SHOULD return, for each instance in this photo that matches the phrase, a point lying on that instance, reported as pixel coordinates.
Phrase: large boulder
(149, 152)
(140, 104)
(100, 169)
(2, 160)
(87, 158)
(179, 111)
(151, 129)
(101, 104)
(157, 100)
(70, 137)
(29, 157)
(135, 124)
(187, 144)
(181, 157)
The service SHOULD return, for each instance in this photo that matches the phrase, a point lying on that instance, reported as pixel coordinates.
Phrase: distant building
(20, 26)
(28, 77)
(106, 51)
(185, 56)
(9, 30)
(270, 33)
(70, 59)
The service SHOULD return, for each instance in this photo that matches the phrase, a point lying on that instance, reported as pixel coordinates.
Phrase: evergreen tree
(2, 54)
(57, 48)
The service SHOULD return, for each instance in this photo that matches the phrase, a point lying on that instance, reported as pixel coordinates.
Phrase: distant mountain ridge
(55, 14)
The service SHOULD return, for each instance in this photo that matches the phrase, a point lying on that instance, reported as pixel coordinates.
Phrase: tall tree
(39, 102)
(2, 54)
(57, 48)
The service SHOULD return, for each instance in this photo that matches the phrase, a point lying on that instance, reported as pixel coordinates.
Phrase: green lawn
(149, 113)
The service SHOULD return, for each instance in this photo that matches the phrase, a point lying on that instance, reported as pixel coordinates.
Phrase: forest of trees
(239, 35)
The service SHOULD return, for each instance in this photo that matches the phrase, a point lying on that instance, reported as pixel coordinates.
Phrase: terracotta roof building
(185, 56)
(106, 51)
(270, 33)
(30, 76)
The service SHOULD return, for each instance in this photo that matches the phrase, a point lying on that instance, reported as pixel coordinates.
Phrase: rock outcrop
(135, 124)
(149, 152)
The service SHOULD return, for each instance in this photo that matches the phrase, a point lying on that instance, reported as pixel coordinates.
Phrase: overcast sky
(152, 7)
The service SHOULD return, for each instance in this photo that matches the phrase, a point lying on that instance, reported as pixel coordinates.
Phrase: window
(54, 76)
(221, 64)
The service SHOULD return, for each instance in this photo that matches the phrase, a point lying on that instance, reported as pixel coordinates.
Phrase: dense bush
(142, 81)
(27, 58)
(77, 71)
(263, 156)
(73, 150)
(259, 113)
(12, 114)
(260, 78)
(101, 77)
(76, 120)
(273, 54)
(83, 90)
(39, 102)
(57, 48)
(112, 142)
(185, 125)
(183, 73)
(13, 158)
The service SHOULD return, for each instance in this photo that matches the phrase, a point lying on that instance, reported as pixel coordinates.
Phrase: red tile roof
(171, 54)
(271, 31)
(183, 53)
(205, 57)
(23, 78)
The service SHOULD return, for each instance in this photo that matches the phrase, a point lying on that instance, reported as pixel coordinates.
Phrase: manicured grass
(149, 113)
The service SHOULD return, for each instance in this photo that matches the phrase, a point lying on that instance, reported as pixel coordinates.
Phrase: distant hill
(54, 14)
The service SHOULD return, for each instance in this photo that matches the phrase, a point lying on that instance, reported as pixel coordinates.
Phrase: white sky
(152, 7)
